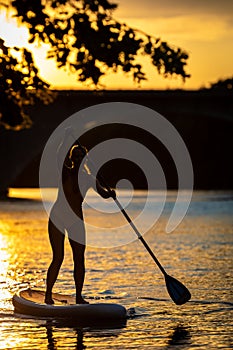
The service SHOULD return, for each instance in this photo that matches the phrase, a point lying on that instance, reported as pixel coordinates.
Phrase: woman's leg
(78, 250)
(57, 243)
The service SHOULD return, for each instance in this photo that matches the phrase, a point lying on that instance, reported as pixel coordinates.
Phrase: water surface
(198, 253)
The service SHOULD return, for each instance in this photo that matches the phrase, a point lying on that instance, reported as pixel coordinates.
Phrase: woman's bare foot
(80, 300)
(48, 299)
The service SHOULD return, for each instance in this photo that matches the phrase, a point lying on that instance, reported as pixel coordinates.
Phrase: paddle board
(31, 302)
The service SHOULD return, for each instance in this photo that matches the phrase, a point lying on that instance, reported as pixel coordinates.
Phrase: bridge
(204, 119)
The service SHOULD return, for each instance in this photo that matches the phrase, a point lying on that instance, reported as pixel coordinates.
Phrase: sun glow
(16, 35)
(12, 33)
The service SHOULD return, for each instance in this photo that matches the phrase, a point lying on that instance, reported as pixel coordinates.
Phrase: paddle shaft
(140, 236)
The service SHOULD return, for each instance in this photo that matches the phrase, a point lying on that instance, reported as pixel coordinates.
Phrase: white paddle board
(31, 302)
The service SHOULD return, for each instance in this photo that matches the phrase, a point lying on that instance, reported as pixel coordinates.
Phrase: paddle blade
(177, 291)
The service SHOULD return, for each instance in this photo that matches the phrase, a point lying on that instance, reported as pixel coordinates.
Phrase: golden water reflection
(199, 253)
(4, 264)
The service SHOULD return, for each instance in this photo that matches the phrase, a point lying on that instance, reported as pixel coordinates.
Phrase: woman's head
(77, 153)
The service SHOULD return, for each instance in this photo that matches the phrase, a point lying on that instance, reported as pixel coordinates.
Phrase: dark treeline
(203, 119)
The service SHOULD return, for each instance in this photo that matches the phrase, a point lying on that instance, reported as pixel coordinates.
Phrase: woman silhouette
(67, 215)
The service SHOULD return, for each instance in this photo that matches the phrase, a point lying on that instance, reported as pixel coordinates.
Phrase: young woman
(66, 215)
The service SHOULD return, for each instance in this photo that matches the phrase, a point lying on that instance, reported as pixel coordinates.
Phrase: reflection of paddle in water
(180, 336)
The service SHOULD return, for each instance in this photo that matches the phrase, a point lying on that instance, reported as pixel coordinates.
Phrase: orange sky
(203, 28)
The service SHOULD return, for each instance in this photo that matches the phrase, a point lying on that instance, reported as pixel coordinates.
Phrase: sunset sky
(203, 28)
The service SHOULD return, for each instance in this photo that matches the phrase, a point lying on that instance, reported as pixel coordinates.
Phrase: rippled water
(198, 253)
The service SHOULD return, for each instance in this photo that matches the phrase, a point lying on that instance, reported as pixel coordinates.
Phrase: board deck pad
(38, 296)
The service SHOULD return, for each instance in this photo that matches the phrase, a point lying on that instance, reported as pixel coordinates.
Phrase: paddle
(177, 291)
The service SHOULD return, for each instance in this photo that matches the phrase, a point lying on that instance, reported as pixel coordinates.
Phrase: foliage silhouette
(18, 76)
(223, 85)
(85, 39)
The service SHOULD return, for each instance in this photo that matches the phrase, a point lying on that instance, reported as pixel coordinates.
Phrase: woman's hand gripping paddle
(177, 291)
